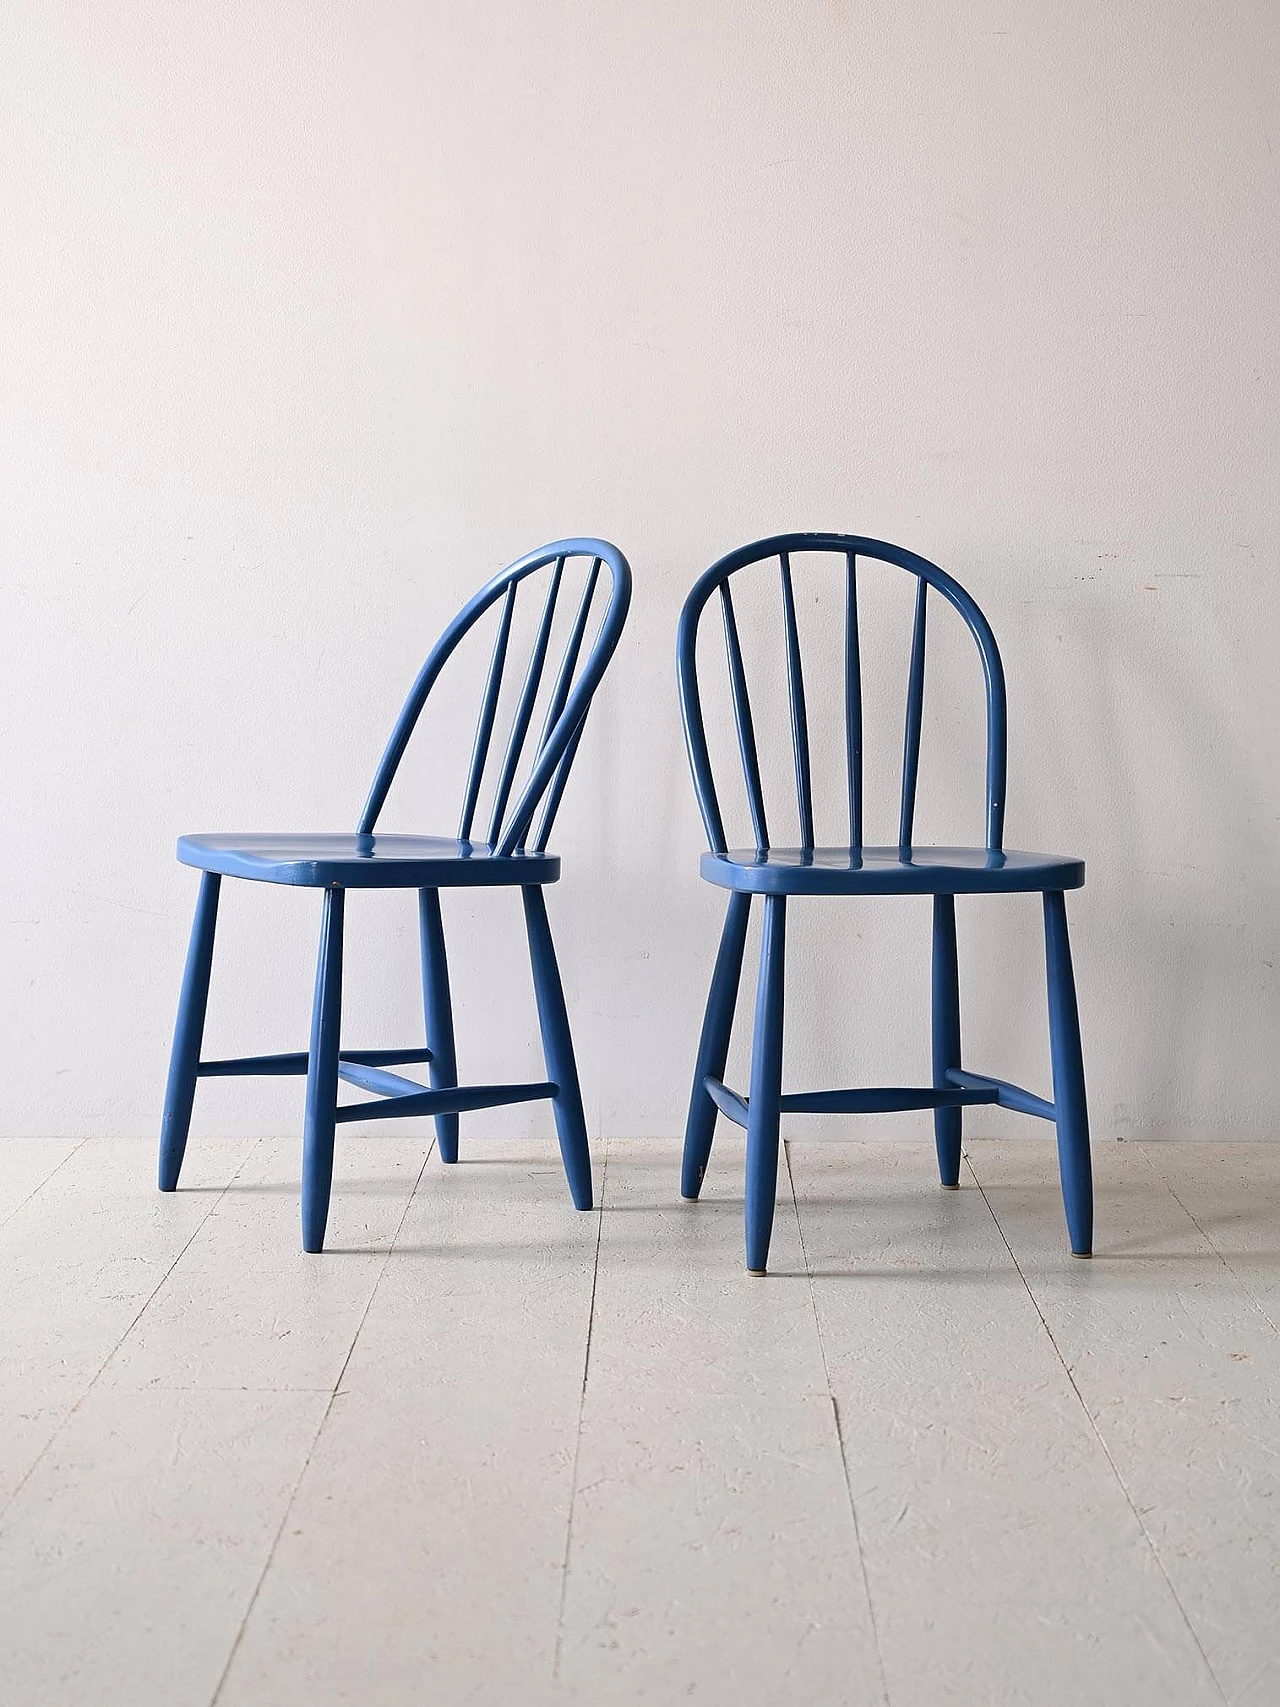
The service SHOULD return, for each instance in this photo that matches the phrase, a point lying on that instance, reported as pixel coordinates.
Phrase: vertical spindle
(488, 710)
(853, 700)
(915, 710)
(799, 717)
(742, 717)
(524, 710)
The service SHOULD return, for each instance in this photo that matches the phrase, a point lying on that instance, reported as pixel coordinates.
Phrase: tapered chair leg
(947, 1128)
(713, 1047)
(764, 1103)
(1074, 1161)
(322, 1076)
(438, 1010)
(557, 1046)
(188, 1033)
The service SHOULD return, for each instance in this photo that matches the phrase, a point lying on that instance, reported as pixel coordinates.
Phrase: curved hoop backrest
(851, 546)
(566, 709)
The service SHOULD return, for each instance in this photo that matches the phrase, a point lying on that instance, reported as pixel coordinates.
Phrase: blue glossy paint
(184, 1059)
(799, 710)
(1075, 1165)
(915, 720)
(488, 712)
(873, 1099)
(557, 1048)
(524, 711)
(947, 1121)
(437, 1005)
(365, 861)
(942, 873)
(713, 1049)
(295, 1064)
(853, 699)
(889, 871)
(322, 1075)
(766, 1087)
(851, 547)
(368, 859)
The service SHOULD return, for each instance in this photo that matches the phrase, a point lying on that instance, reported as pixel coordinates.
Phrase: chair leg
(947, 1126)
(557, 1046)
(188, 1033)
(322, 1076)
(713, 1047)
(764, 1105)
(1074, 1161)
(438, 1010)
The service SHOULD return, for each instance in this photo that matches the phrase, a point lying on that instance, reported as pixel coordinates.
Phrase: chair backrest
(781, 549)
(511, 811)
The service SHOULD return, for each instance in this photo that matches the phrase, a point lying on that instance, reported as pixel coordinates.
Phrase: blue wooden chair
(856, 869)
(511, 853)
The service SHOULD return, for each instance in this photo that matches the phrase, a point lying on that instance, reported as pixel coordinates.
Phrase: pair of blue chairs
(522, 791)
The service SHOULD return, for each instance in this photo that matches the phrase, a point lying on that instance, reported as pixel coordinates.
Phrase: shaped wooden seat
(365, 862)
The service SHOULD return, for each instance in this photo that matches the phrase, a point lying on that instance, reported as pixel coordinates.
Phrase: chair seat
(365, 862)
(890, 871)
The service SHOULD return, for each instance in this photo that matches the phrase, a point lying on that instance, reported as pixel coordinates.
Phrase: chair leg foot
(184, 1058)
(713, 1046)
(437, 1006)
(947, 1122)
(1074, 1162)
(764, 1105)
(557, 1047)
(322, 1077)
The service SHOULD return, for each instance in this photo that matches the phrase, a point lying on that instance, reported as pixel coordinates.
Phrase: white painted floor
(488, 1450)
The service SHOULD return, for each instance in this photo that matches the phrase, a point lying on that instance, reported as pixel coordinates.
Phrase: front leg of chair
(713, 1047)
(438, 1010)
(557, 1047)
(188, 1034)
(1074, 1161)
(322, 1076)
(764, 1104)
(947, 1127)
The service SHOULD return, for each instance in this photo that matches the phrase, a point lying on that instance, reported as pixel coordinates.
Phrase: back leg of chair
(188, 1034)
(713, 1046)
(557, 1047)
(1074, 1161)
(322, 1076)
(764, 1104)
(947, 1126)
(438, 1010)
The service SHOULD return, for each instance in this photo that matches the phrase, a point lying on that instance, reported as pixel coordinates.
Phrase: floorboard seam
(142, 1309)
(19, 1207)
(1099, 1437)
(840, 1441)
(577, 1439)
(1209, 1240)
(310, 1453)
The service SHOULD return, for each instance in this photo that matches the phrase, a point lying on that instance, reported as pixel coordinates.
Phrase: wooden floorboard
(26, 1165)
(714, 1554)
(81, 1258)
(1180, 1371)
(1004, 1561)
(422, 1558)
(489, 1449)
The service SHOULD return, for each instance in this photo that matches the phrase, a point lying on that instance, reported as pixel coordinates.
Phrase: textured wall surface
(315, 314)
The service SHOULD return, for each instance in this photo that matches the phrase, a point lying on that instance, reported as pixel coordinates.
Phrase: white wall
(314, 314)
